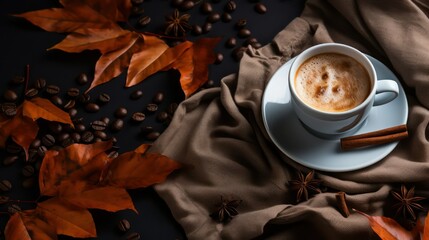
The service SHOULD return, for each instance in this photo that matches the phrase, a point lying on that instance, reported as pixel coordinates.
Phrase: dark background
(21, 43)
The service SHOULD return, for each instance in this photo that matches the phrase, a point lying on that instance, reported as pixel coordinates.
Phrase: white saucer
(288, 134)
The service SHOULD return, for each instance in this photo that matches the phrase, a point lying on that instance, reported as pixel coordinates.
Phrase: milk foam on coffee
(332, 82)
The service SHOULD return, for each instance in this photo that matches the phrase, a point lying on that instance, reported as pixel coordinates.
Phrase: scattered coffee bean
(172, 108)
(137, 2)
(3, 200)
(124, 225)
(67, 142)
(117, 125)
(69, 104)
(52, 89)
(104, 98)
(241, 23)
(41, 151)
(209, 84)
(98, 125)
(87, 137)
(158, 98)
(82, 79)
(206, 8)
(146, 130)
(56, 100)
(31, 92)
(260, 8)
(79, 127)
(136, 11)
(100, 134)
(73, 92)
(226, 17)
(14, 208)
(75, 137)
(9, 160)
(92, 107)
(238, 53)
(84, 98)
(136, 94)
(18, 80)
(10, 95)
(230, 6)
(151, 107)
(187, 5)
(133, 236)
(40, 83)
(177, 3)
(9, 109)
(28, 182)
(62, 136)
(28, 171)
(36, 143)
(207, 27)
(113, 154)
(197, 30)
(144, 21)
(153, 135)
(55, 127)
(231, 42)
(244, 33)
(213, 17)
(13, 148)
(5, 185)
(256, 45)
(48, 140)
(250, 41)
(32, 155)
(105, 119)
(162, 116)
(219, 58)
(121, 112)
(138, 117)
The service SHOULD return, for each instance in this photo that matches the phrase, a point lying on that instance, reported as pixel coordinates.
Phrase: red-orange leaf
(132, 170)
(81, 194)
(26, 225)
(139, 71)
(43, 108)
(67, 219)
(71, 161)
(116, 10)
(426, 228)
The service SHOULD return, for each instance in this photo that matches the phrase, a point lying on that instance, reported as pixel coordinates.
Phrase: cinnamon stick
(382, 136)
(342, 203)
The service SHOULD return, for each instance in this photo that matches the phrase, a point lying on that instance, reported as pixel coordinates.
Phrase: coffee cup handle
(386, 91)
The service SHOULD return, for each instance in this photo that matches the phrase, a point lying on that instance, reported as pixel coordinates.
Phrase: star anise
(177, 24)
(407, 202)
(226, 210)
(305, 185)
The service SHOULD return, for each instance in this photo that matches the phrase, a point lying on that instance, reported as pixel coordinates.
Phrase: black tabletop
(23, 47)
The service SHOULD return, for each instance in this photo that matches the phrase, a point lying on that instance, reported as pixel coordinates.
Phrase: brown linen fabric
(218, 134)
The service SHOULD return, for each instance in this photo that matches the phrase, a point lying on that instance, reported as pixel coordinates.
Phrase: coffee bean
(207, 27)
(73, 92)
(52, 89)
(219, 58)
(231, 42)
(10, 95)
(146, 130)
(230, 6)
(136, 94)
(48, 140)
(124, 225)
(32, 155)
(67, 142)
(206, 7)
(28, 182)
(28, 171)
(162, 116)
(14, 208)
(209, 84)
(82, 79)
(98, 125)
(75, 137)
(35, 143)
(121, 112)
(105, 119)
(133, 236)
(238, 53)
(9, 109)
(244, 33)
(62, 136)
(213, 17)
(241, 23)
(177, 3)
(5, 185)
(113, 154)
(84, 98)
(31, 92)
(69, 104)
(3, 200)
(226, 17)
(137, 10)
(117, 125)
(153, 135)
(79, 127)
(55, 127)
(151, 107)
(104, 98)
(56, 100)
(144, 21)
(9, 160)
(158, 98)
(92, 107)
(100, 134)
(87, 137)
(40, 83)
(260, 8)
(172, 108)
(41, 151)
(138, 117)
(187, 5)
(256, 45)
(250, 41)
(72, 112)
(13, 148)
(137, 2)
(197, 30)
(18, 80)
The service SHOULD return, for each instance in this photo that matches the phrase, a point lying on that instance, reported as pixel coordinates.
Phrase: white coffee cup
(332, 124)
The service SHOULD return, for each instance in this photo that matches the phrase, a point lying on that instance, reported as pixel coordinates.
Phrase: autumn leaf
(132, 170)
(26, 225)
(117, 10)
(43, 108)
(426, 228)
